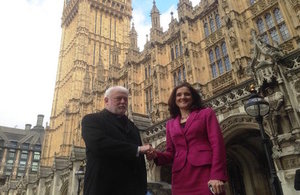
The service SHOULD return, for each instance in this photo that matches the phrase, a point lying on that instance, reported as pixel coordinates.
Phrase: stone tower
(94, 44)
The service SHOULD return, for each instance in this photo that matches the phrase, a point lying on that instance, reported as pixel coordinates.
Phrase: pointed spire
(133, 38)
(133, 31)
(154, 8)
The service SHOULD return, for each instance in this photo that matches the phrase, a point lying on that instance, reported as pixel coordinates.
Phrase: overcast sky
(29, 47)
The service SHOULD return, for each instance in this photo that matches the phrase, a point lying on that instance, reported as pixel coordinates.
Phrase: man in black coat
(115, 155)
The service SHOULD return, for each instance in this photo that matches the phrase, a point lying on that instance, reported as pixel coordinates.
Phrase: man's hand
(145, 148)
(217, 186)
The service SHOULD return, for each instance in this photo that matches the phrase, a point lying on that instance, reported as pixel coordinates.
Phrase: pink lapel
(177, 124)
(190, 121)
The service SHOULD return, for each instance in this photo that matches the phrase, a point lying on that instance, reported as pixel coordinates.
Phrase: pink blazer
(200, 142)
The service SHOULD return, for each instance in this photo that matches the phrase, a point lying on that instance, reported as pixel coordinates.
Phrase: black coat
(112, 165)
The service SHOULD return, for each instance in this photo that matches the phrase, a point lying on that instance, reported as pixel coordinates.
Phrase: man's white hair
(117, 88)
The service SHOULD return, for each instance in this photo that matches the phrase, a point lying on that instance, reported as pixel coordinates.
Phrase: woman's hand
(217, 186)
(151, 154)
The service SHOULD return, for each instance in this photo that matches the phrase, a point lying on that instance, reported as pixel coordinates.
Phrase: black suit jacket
(112, 165)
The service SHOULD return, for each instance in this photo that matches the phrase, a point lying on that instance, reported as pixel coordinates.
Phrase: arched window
(224, 50)
(211, 56)
(284, 32)
(212, 24)
(278, 15)
(260, 25)
(206, 31)
(213, 64)
(218, 22)
(269, 20)
(226, 58)
(218, 56)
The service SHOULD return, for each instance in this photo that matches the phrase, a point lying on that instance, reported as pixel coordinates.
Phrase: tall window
(176, 51)
(36, 156)
(225, 57)
(21, 168)
(180, 48)
(269, 20)
(212, 24)
(179, 75)
(219, 61)
(277, 29)
(218, 22)
(206, 31)
(172, 54)
(34, 166)
(278, 15)
(10, 158)
(284, 32)
(213, 65)
(260, 25)
(146, 75)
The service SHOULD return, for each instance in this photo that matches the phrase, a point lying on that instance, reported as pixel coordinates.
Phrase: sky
(29, 47)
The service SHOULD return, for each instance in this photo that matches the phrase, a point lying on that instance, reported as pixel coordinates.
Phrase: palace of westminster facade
(221, 47)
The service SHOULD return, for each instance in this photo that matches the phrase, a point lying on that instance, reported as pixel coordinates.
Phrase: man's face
(117, 102)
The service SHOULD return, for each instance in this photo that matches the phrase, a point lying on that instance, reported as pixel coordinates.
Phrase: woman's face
(184, 98)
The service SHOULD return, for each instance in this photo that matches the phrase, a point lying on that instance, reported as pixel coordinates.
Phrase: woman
(195, 145)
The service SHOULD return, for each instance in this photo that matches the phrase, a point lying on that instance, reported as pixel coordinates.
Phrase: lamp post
(257, 107)
(79, 174)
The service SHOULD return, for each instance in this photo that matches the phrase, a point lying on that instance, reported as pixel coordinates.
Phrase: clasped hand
(149, 151)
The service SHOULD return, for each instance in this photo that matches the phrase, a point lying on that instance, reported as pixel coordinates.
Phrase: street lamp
(79, 174)
(257, 107)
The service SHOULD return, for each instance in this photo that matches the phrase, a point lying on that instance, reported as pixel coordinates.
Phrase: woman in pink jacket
(195, 145)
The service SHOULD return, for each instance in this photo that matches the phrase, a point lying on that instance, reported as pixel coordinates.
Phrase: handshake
(149, 151)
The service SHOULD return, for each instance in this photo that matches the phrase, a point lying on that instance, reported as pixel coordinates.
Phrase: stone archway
(246, 161)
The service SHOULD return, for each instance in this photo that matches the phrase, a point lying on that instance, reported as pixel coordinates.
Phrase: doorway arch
(248, 171)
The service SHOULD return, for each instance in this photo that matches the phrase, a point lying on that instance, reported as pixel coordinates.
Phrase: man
(115, 157)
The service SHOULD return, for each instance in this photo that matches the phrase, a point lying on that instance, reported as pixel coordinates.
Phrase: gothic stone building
(219, 46)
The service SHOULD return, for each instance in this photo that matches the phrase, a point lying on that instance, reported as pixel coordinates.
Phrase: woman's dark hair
(196, 104)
